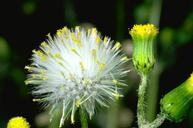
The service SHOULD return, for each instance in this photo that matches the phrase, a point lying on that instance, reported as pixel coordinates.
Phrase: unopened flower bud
(179, 101)
(143, 51)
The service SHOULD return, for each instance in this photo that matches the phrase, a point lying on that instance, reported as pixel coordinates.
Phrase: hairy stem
(141, 113)
(141, 98)
(83, 119)
(158, 121)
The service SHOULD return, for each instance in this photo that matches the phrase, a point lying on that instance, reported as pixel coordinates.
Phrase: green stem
(152, 92)
(141, 98)
(158, 121)
(83, 119)
(155, 12)
(112, 116)
(141, 113)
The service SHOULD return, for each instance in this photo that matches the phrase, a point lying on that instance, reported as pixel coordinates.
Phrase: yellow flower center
(18, 122)
(143, 30)
(191, 79)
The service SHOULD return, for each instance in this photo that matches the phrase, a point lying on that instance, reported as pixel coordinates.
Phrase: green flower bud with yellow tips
(176, 104)
(143, 47)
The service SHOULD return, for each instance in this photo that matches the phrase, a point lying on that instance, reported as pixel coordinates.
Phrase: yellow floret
(78, 103)
(191, 78)
(125, 58)
(62, 31)
(81, 66)
(117, 45)
(40, 54)
(18, 122)
(144, 30)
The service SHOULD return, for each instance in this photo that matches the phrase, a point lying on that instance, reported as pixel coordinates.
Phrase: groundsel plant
(76, 69)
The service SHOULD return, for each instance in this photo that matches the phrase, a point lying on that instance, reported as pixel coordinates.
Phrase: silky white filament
(76, 69)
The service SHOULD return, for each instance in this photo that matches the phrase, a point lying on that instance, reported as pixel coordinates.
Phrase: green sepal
(143, 56)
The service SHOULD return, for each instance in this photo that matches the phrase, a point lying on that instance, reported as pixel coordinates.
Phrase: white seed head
(76, 69)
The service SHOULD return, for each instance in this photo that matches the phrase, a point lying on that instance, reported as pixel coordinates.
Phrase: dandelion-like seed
(76, 69)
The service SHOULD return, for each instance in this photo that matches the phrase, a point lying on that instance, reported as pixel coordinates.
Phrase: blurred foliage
(29, 7)
(18, 76)
(120, 18)
(5, 55)
(141, 12)
(2, 123)
(5, 51)
(184, 33)
(70, 15)
(173, 38)
(148, 11)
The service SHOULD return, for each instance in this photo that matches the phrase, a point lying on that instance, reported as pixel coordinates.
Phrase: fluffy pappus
(75, 69)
